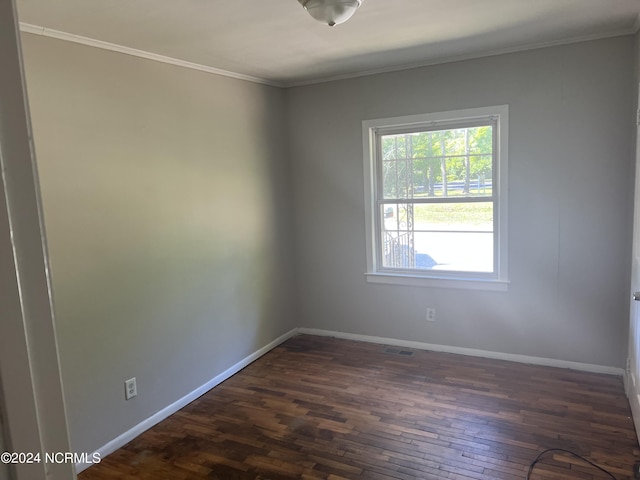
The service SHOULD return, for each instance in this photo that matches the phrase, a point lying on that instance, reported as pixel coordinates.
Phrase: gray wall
(570, 164)
(636, 60)
(166, 204)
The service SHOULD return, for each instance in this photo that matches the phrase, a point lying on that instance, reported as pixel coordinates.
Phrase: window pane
(397, 175)
(455, 141)
(397, 235)
(442, 163)
(454, 251)
(452, 236)
(388, 148)
(481, 140)
(481, 175)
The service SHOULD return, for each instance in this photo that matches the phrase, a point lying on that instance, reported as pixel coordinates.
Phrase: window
(436, 198)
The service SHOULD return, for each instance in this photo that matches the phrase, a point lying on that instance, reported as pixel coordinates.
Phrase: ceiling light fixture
(331, 12)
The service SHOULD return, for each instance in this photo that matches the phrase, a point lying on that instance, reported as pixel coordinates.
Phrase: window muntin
(435, 190)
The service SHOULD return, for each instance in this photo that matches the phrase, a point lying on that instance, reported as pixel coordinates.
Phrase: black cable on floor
(533, 464)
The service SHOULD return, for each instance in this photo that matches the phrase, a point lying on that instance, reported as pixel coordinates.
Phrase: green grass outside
(449, 213)
(457, 192)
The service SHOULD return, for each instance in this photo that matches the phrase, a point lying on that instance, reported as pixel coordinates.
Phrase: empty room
(319, 239)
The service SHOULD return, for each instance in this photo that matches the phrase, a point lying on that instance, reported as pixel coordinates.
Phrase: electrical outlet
(431, 314)
(130, 388)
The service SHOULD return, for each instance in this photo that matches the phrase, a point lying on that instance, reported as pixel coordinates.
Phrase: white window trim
(428, 278)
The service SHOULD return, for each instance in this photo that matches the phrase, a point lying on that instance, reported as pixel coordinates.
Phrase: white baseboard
(145, 425)
(511, 357)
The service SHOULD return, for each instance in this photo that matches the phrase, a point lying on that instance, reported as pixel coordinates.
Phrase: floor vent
(398, 351)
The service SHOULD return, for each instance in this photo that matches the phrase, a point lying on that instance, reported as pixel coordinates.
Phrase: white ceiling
(277, 41)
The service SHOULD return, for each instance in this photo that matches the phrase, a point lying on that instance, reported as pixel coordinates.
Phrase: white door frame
(632, 372)
(30, 382)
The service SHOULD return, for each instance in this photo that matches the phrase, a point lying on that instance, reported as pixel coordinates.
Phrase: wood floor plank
(321, 408)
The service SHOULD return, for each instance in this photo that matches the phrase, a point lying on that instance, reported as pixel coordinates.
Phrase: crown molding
(91, 42)
(70, 37)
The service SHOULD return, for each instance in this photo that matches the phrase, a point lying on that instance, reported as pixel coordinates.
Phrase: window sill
(438, 282)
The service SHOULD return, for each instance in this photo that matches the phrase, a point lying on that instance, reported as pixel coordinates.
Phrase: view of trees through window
(437, 204)
(438, 163)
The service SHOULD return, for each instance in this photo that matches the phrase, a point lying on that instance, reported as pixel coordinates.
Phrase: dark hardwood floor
(324, 408)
